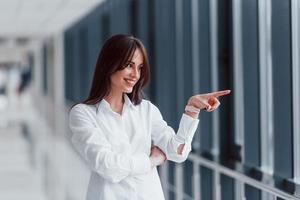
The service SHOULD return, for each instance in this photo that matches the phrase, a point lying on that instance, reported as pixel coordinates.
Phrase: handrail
(238, 176)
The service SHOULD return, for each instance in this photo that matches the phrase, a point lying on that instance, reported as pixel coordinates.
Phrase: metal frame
(196, 182)
(195, 45)
(213, 5)
(174, 190)
(266, 88)
(239, 190)
(214, 66)
(179, 52)
(180, 88)
(238, 88)
(164, 179)
(238, 75)
(295, 6)
(196, 89)
(179, 182)
(220, 169)
(195, 60)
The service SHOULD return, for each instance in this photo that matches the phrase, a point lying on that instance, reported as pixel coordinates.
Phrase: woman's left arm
(164, 137)
(177, 146)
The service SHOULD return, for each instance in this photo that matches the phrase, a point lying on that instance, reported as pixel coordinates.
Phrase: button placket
(123, 128)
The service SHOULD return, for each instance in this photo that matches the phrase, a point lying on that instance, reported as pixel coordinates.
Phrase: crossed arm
(96, 150)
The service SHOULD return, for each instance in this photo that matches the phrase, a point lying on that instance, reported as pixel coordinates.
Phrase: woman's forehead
(137, 55)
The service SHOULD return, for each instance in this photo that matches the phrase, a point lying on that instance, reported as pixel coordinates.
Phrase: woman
(114, 128)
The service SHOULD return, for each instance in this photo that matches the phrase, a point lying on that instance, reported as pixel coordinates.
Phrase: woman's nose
(135, 72)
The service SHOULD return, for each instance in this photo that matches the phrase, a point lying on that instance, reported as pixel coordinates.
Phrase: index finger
(219, 93)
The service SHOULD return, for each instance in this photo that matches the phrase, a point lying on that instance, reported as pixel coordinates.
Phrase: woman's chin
(128, 90)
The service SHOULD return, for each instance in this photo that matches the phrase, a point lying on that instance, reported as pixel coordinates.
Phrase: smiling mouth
(130, 81)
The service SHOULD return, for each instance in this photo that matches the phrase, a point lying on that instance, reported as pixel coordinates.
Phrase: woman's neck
(115, 101)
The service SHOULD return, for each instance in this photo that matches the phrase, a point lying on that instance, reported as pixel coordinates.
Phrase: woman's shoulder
(81, 108)
(145, 103)
(148, 104)
(149, 108)
(77, 107)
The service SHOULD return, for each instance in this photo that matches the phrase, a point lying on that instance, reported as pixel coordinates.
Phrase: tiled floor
(19, 178)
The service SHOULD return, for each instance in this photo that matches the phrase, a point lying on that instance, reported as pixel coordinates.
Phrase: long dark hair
(116, 51)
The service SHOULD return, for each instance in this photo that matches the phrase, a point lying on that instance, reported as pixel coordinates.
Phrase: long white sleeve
(89, 140)
(165, 138)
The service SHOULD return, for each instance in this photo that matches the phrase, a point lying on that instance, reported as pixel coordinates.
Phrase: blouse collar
(103, 104)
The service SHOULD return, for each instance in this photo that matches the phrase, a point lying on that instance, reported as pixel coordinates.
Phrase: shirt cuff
(187, 129)
(141, 164)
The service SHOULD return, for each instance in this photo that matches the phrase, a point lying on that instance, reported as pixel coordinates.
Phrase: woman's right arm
(92, 145)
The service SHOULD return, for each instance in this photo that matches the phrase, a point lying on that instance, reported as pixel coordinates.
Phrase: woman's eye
(140, 67)
(128, 65)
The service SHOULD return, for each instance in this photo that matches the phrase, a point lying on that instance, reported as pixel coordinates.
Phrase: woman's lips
(130, 81)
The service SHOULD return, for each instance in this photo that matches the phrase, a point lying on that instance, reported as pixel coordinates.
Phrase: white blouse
(117, 147)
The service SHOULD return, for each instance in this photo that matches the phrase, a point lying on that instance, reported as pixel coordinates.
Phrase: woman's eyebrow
(131, 62)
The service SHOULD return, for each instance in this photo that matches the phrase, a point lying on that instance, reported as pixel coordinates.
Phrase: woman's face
(124, 80)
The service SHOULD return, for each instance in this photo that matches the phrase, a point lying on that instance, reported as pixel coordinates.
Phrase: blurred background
(249, 149)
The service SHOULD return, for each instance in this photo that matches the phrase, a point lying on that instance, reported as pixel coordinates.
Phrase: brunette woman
(123, 137)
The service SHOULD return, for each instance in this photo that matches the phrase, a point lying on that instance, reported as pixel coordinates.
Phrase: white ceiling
(34, 18)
